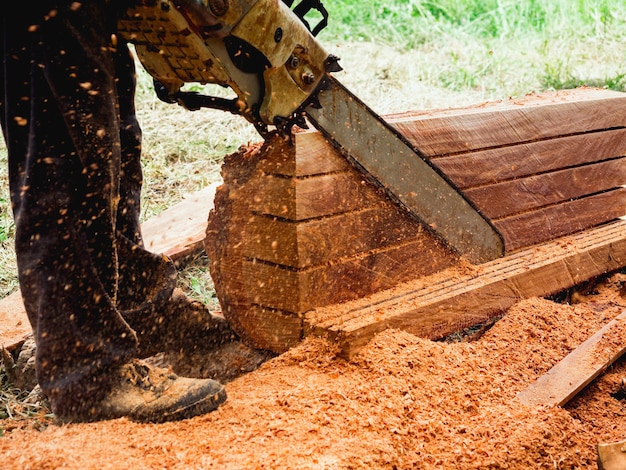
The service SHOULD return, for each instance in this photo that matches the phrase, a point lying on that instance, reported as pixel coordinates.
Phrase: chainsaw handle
(304, 7)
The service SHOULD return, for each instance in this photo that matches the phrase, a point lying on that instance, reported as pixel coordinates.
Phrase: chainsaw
(267, 53)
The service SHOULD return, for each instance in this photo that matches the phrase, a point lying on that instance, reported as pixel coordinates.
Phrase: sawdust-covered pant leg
(73, 141)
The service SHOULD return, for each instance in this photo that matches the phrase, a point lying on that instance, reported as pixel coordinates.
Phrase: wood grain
(561, 219)
(329, 239)
(533, 192)
(312, 197)
(579, 368)
(494, 165)
(514, 122)
(462, 296)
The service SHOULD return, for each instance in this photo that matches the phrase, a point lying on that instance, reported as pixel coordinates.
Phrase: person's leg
(60, 121)
(131, 174)
(164, 319)
(60, 118)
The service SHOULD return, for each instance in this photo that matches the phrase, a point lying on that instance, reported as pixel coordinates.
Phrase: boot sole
(205, 405)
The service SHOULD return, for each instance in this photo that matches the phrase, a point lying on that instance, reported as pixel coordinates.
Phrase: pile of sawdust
(402, 402)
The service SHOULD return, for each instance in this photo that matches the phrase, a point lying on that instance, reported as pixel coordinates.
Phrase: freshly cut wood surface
(308, 146)
(567, 378)
(462, 296)
(273, 330)
(301, 241)
(313, 196)
(319, 241)
(298, 291)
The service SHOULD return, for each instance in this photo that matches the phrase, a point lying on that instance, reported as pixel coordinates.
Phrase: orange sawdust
(402, 402)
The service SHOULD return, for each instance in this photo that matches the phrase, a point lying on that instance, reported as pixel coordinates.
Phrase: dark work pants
(68, 118)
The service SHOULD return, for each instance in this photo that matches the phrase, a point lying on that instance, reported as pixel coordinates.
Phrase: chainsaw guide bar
(390, 160)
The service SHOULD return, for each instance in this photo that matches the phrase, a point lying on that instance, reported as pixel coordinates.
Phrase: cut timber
(14, 324)
(393, 163)
(561, 383)
(297, 231)
(292, 231)
(462, 296)
(177, 232)
(539, 167)
(612, 456)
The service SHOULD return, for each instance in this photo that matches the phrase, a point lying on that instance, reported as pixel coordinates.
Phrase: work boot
(195, 326)
(182, 326)
(144, 393)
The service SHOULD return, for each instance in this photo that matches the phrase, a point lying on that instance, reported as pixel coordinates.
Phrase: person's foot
(184, 326)
(197, 325)
(145, 393)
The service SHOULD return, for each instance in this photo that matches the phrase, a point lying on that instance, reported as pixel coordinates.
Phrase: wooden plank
(180, 230)
(516, 122)
(515, 161)
(14, 323)
(545, 224)
(524, 194)
(611, 455)
(177, 232)
(579, 368)
(319, 241)
(312, 197)
(462, 296)
(300, 290)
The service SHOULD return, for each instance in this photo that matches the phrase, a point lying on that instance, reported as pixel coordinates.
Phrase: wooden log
(534, 167)
(320, 249)
(579, 368)
(298, 229)
(462, 296)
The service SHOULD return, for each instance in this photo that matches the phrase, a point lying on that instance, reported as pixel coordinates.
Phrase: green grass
(504, 46)
(408, 23)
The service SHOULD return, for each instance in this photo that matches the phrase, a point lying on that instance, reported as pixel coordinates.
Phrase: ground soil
(402, 402)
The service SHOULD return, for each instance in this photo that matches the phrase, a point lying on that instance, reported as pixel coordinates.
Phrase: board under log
(296, 228)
